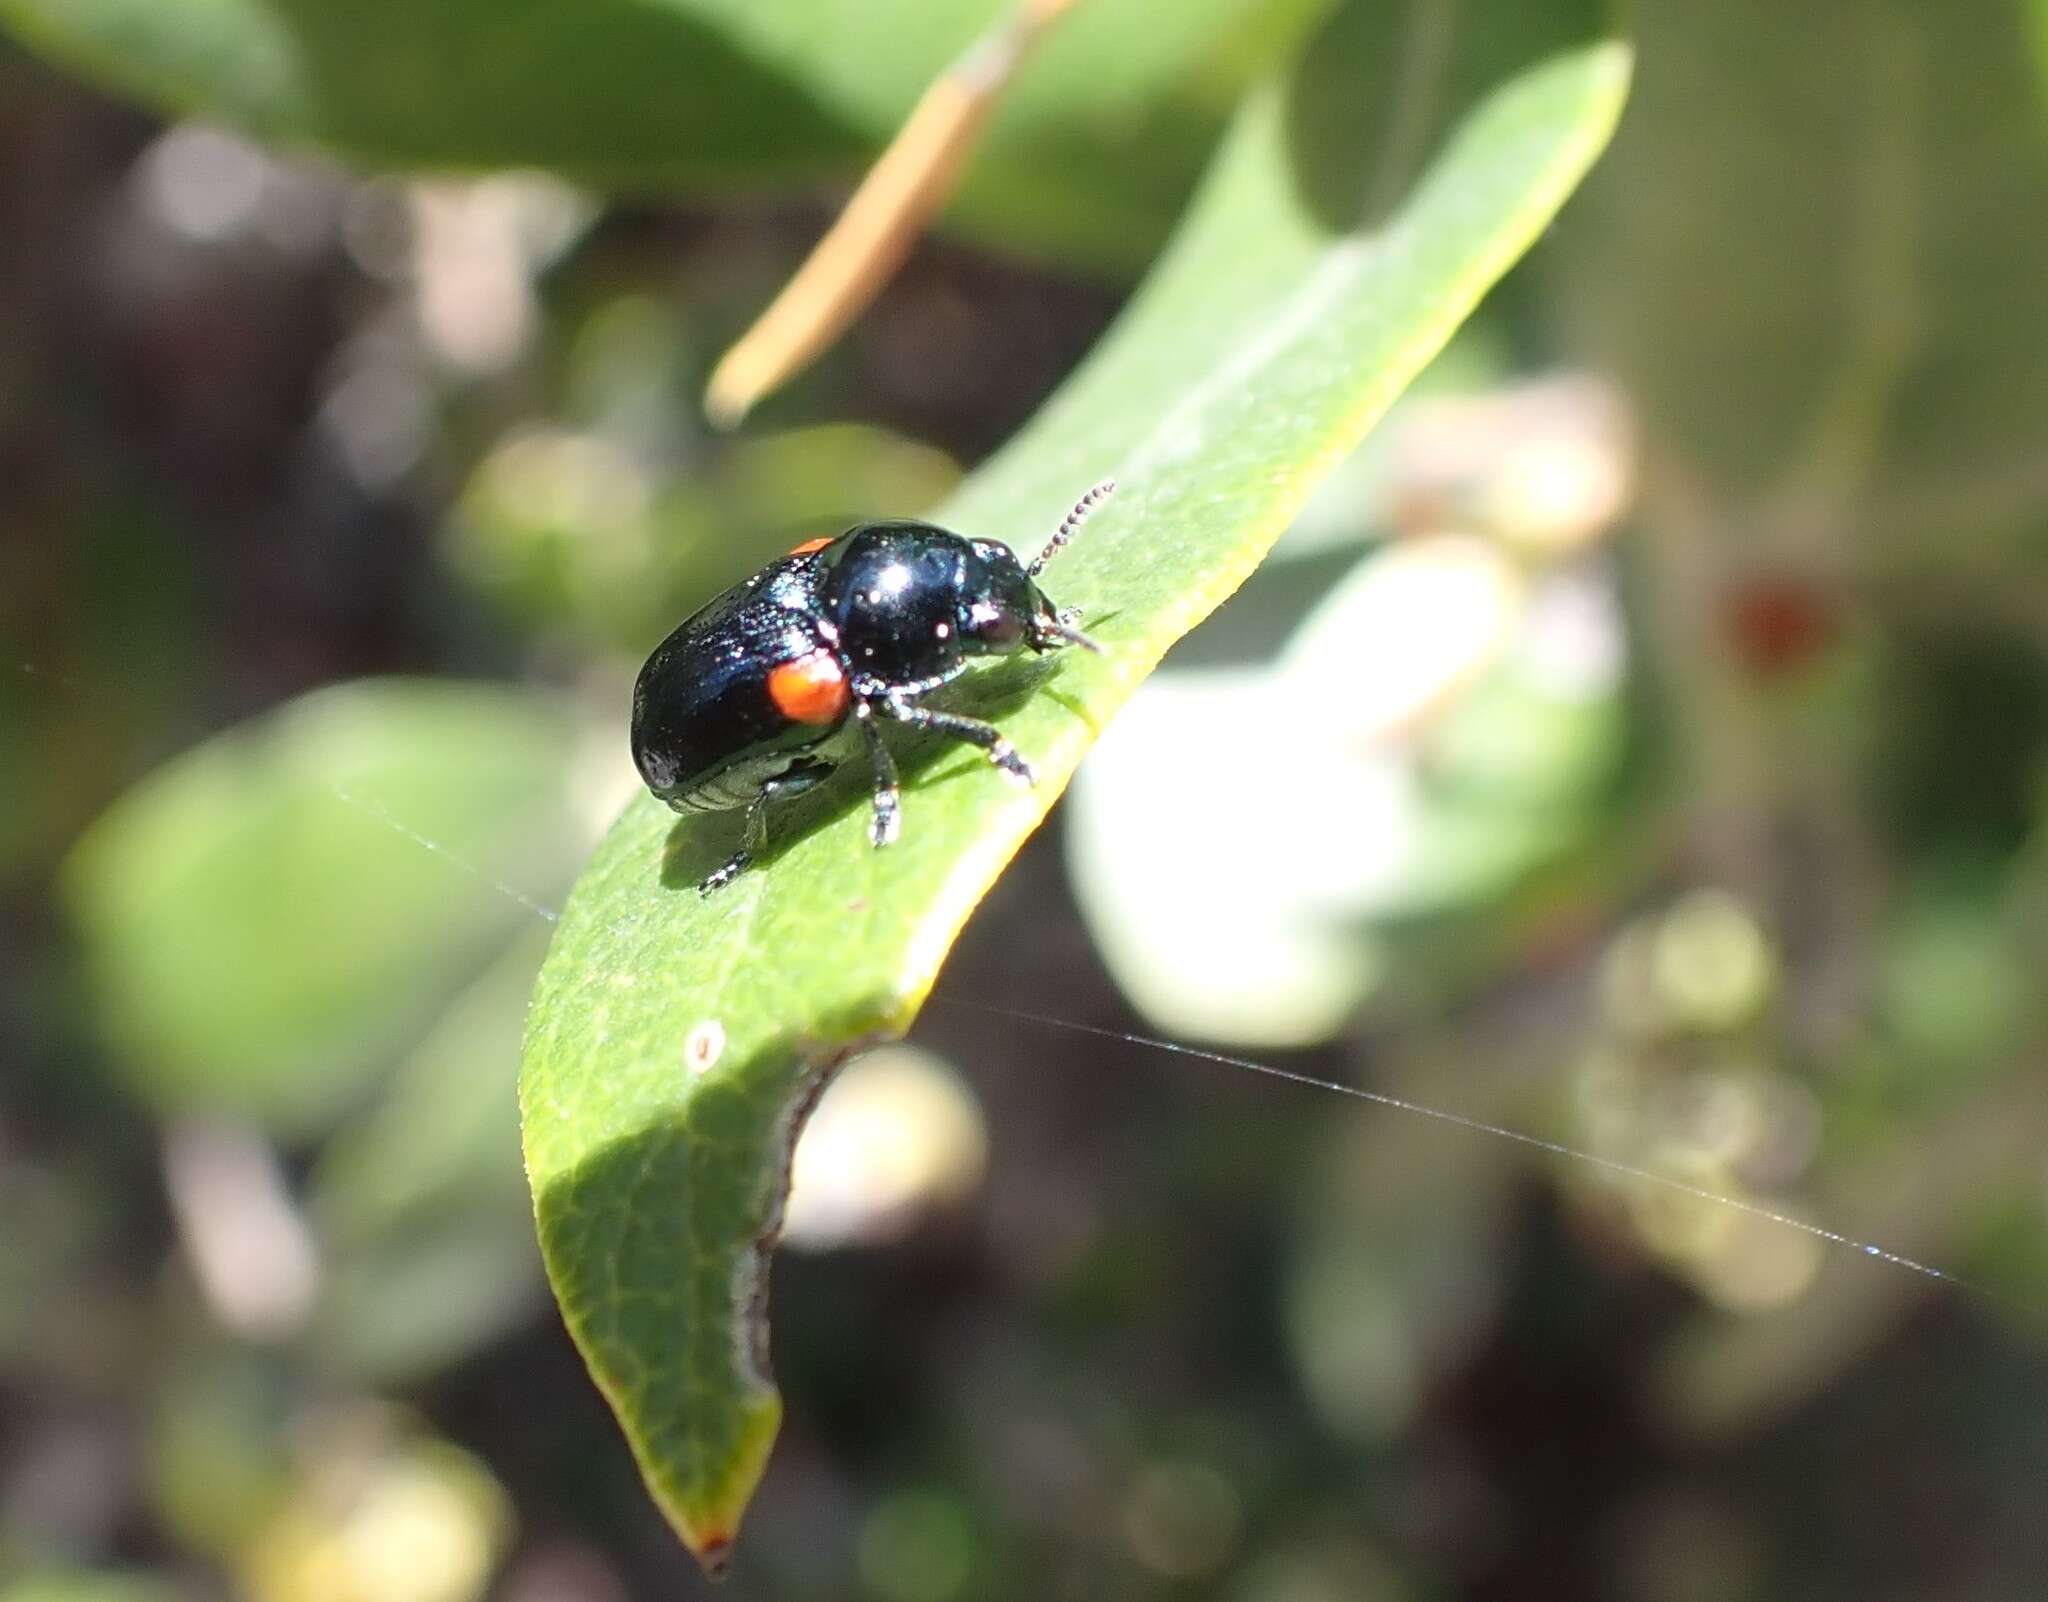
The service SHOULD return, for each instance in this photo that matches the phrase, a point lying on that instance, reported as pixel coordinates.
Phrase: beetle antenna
(1070, 525)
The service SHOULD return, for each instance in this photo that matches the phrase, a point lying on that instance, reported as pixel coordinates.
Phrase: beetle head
(1002, 610)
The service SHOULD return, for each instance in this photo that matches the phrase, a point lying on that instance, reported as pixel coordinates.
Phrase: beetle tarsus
(736, 865)
(755, 836)
(1004, 755)
(887, 821)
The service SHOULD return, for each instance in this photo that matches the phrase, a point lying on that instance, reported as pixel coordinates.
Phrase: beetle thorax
(902, 597)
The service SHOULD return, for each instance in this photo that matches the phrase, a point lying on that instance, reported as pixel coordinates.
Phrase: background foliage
(1640, 743)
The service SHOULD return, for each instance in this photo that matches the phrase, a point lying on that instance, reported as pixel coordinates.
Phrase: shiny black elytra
(752, 698)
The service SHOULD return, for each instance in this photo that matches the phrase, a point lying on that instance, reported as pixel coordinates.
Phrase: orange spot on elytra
(809, 546)
(812, 689)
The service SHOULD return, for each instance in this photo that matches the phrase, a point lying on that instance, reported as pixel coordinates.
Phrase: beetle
(757, 696)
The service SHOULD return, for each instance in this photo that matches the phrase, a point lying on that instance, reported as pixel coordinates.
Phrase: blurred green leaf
(1094, 151)
(1824, 288)
(1358, 212)
(421, 1204)
(2038, 16)
(1955, 993)
(265, 918)
(446, 1128)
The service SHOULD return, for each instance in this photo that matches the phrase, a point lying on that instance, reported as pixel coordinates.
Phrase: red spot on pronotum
(809, 546)
(812, 689)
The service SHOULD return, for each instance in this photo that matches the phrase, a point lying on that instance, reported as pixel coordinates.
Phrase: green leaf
(259, 919)
(1357, 213)
(1101, 139)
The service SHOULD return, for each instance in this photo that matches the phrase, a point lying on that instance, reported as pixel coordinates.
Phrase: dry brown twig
(874, 233)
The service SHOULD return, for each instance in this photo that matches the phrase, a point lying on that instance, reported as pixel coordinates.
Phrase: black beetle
(749, 700)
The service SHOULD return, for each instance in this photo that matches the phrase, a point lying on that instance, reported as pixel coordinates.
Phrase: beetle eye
(995, 626)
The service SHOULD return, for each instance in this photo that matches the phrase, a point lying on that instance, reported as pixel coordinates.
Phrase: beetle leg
(751, 842)
(884, 825)
(972, 730)
(801, 775)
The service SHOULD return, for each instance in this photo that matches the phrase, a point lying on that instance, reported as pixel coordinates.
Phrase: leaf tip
(708, 1519)
(714, 1556)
